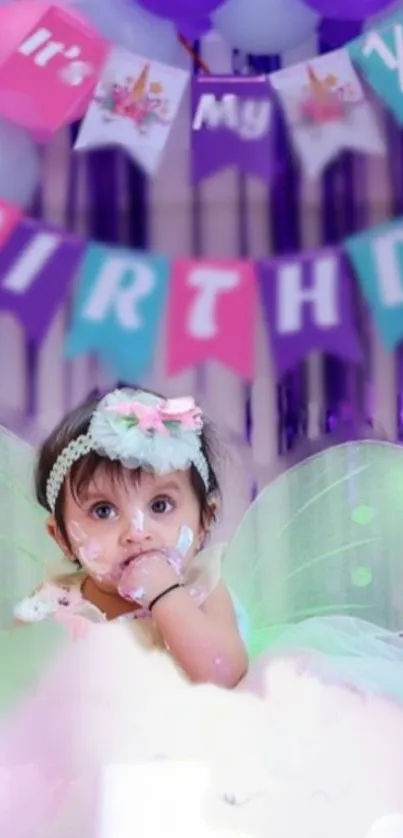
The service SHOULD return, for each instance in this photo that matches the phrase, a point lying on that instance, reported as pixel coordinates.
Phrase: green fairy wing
(325, 538)
(27, 553)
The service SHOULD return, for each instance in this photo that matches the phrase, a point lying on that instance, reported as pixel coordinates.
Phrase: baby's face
(115, 521)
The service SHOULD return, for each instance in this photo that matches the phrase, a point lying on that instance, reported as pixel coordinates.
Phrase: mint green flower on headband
(143, 430)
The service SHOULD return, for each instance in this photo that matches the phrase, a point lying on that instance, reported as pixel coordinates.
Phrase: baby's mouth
(131, 559)
(127, 562)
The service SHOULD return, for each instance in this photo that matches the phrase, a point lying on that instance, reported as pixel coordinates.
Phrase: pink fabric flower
(184, 411)
(152, 417)
(148, 416)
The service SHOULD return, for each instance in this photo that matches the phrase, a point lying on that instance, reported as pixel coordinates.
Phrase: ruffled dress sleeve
(49, 602)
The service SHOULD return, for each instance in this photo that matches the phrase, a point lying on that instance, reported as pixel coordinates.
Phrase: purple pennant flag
(234, 123)
(37, 266)
(307, 304)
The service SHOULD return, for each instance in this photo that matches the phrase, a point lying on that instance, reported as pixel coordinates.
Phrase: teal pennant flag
(118, 306)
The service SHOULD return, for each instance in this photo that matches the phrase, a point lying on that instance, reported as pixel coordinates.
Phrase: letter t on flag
(212, 312)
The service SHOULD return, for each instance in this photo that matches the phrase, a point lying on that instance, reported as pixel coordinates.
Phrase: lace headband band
(141, 431)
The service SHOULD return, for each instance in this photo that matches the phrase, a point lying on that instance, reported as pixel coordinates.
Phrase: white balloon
(130, 26)
(19, 165)
(264, 27)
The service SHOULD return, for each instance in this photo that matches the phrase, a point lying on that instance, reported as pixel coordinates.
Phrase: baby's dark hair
(82, 472)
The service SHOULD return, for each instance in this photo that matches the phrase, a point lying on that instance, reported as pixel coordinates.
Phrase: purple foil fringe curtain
(104, 225)
(344, 210)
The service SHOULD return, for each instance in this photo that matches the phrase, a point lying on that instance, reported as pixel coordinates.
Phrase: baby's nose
(136, 526)
(137, 521)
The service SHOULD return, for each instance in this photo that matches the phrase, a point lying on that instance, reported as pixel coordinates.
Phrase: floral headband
(140, 430)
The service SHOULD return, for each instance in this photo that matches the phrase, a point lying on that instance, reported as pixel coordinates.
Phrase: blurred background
(103, 196)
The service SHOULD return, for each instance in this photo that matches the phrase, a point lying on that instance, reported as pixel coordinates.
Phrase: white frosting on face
(90, 554)
(88, 551)
(138, 521)
(76, 533)
(185, 540)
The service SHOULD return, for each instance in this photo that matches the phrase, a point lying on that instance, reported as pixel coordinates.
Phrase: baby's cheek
(90, 552)
(92, 557)
(185, 540)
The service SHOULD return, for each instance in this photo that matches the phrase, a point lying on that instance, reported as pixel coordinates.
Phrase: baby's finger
(175, 560)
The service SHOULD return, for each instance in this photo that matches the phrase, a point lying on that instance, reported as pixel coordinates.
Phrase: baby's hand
(147, 577)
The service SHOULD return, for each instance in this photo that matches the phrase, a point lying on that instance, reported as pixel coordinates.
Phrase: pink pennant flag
(212, 311)
(10, 216)
(52, 72)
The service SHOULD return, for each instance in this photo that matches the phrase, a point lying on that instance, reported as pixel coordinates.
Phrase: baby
(131, 492)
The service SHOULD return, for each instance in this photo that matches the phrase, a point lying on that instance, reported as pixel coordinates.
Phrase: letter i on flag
(212, 312)
(118, 307)
(38, 265)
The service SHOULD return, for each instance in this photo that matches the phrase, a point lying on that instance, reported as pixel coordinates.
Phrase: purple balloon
(193, 29)
(337, 33)
(181, 10)
(348, 9)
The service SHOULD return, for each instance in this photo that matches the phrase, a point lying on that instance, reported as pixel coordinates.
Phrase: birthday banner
(122, 299)
(235, 122)
(326, 104)
(63, 71)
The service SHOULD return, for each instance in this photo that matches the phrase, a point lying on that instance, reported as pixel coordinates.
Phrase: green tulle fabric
(324, 538)
(28, 554)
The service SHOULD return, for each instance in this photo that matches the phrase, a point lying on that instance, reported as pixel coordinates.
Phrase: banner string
(193, 54)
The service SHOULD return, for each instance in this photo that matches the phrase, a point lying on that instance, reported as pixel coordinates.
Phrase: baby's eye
(160, 506)
(103, 511)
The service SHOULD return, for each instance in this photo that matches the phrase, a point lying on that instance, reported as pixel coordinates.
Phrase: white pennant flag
(134, 107)
(327, 111)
